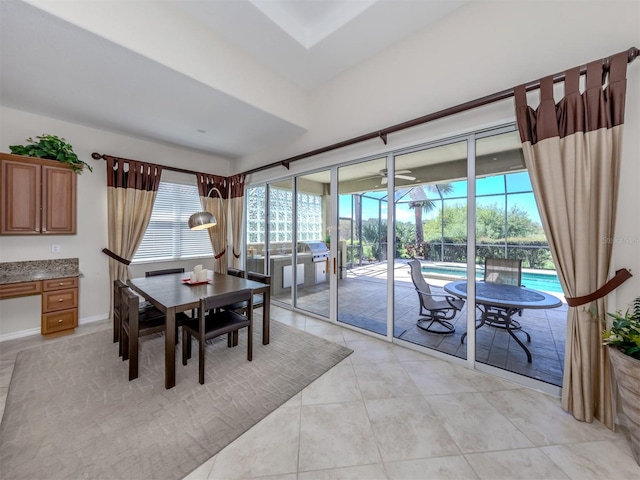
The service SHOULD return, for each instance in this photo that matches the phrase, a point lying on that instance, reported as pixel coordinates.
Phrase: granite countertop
(29, 271)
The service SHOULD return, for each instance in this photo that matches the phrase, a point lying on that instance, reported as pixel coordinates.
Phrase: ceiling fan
(401, 174)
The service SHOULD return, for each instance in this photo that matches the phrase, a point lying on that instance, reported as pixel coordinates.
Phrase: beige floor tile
(287, 476)
(440, 377)
(523, 464)
(336, 435)
(337, 385)
(268, 448)
(476, 425)
(406, 428)
(202, 472)
(354, 336)
(594, 461)
(442, 468)
(371, 351)
(541, 418)
(328, 332)
(364, 472)
(384, 380)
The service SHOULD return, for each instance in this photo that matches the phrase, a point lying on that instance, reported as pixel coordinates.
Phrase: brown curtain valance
(236, 185)
(575, 112)
(138, 175)
(206, 182)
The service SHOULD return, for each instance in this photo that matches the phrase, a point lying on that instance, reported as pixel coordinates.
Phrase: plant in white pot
(623, 339)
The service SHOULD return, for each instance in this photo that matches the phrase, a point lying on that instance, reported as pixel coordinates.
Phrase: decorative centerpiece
(53, 148)
(623, 339)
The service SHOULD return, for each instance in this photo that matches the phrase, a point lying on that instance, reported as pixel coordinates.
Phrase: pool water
(547, 282)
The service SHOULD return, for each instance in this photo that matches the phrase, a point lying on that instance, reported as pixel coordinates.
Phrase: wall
(23, 314)
(482, 48)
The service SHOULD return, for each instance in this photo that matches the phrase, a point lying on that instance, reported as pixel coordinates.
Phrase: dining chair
(144, 308)
(435, 311)
(166, 271)
(236, 272)
(214, 321)
(135, 324)
(258, 298)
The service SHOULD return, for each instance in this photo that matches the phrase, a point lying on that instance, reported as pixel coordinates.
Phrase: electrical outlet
(55, 248)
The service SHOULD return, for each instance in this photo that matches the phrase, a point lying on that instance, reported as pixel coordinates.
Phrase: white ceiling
(54, 68)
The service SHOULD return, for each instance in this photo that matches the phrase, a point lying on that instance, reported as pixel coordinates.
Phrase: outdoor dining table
(506, 301)
(171, 294)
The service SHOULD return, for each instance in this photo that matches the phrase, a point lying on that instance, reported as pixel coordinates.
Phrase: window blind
(168, 236)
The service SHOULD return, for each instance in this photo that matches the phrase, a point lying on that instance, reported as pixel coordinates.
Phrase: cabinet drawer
(58, 321)
(23, 289)
(59, 300)
(59, 283)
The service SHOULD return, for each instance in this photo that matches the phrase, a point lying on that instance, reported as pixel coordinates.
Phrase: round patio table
(499, 302)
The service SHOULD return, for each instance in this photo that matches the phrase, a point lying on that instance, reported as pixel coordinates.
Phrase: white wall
(479, 49)
(22, 314)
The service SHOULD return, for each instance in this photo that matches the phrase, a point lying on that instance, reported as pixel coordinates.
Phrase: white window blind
(168, 236)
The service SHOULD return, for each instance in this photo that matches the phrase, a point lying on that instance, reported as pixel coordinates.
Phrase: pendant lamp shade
(202, 220)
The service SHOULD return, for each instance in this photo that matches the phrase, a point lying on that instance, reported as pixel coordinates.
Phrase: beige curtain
(131, 191)
(236, 209)
(572, 153)
(213, 191)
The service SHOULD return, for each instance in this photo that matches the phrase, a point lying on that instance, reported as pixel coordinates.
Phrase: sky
(489, 190)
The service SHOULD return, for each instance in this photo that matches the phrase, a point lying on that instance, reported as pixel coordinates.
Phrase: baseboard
(36, 331)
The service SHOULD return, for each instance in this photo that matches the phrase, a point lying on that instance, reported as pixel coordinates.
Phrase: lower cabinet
(59, 305)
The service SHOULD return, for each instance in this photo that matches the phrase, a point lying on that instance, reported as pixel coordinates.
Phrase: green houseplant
(53, 148)
(623, 338)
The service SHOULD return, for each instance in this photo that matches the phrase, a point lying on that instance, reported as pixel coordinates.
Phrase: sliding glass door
(362, 245)
(430, 202)
(454, 203)
(313, 194)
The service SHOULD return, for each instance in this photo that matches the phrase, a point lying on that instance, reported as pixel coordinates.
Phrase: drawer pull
(60, 300)
(61, 283)
(60, 321)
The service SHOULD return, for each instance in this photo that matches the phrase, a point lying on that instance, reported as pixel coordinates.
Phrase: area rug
(71, 412)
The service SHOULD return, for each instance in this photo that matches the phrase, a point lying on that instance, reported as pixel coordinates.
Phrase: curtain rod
(633, 53)
(98, 156)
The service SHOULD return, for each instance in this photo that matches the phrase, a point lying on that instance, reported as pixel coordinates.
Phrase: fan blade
(405, 177)
(402, 172)
(383, 181)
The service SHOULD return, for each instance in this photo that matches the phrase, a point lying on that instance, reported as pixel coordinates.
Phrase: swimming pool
(547, 282)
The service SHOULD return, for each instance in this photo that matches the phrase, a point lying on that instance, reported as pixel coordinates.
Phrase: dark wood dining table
(171, 295)
(501, 302)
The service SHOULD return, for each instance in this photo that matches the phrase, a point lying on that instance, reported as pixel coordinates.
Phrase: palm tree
(420, 202)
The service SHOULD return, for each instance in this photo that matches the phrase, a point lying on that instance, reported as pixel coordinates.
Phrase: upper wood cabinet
(38, 196)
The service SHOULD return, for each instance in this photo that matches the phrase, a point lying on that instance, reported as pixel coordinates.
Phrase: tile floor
(387, 412)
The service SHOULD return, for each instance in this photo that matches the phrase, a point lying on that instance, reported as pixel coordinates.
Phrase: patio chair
(436, 311)
(503, 270)
(507, 271)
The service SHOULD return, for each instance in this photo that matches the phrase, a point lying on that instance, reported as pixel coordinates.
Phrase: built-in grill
(318, 250)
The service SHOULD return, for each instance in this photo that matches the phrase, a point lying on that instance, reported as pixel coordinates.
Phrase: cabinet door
(20, 200)
(58, 200)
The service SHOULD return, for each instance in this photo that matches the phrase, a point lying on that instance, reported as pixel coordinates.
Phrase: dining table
(499, 302)
(174, 293)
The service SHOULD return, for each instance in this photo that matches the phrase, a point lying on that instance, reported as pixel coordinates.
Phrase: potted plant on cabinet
(623, 339)
(51, 147)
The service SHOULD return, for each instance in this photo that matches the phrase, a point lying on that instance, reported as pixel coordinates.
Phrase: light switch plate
(55, 248)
